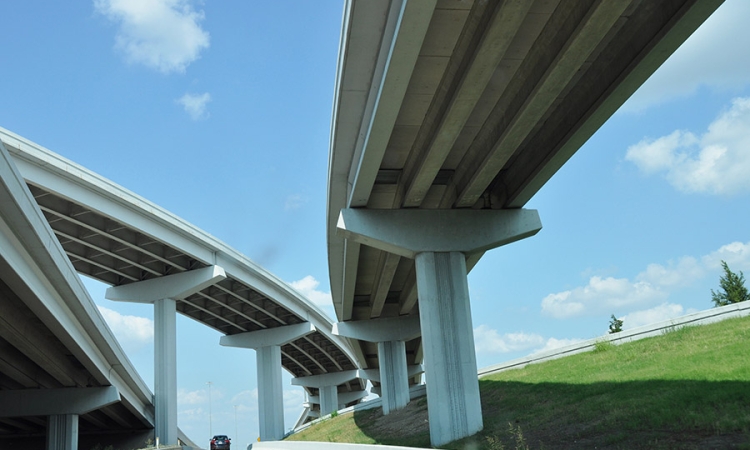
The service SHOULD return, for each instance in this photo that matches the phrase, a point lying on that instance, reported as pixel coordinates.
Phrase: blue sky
(220, 113)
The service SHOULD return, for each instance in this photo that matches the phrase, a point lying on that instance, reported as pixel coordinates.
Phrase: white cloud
(161, 34)
(653, 285)
(308, 287)
(553, 343)
(717, 162)
(191, 414)
(736, 255)
(665, 311)
(721, 44)
(192, 397)
(195, 105)
(246, 397)
(488, 340)
(293, 202)
(293, 399)
(132, 332)
(679, 274)
(601, 294)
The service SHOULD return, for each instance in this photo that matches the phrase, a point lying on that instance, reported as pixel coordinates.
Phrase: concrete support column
(448, 340)
(328, 388)
(163, 293)
(270, 393)
(391, 335)
(62, 432)
(267, 344)
(165, 369)
(440, 241)
(394, 380)
(329, 399)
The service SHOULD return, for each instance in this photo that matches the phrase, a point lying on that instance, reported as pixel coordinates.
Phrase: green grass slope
(689, 388)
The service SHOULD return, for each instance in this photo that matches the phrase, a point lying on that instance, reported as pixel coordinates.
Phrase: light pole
(210, 429)
(235, 422)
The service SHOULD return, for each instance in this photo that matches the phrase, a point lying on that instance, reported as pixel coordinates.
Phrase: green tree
(615, 325)
(732, 290)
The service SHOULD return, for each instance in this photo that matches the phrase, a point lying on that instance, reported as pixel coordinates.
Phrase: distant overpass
(449, 116)
(149, 255)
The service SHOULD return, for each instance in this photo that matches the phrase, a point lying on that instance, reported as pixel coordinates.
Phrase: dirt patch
(406, 424)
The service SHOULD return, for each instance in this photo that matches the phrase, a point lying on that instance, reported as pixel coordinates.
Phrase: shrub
(732, 290)
(615, 325)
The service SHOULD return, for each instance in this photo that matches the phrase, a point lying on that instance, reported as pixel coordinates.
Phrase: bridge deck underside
(116, 254)
(501, 95)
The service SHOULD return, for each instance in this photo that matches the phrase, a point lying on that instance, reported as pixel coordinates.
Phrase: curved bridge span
(449, 115)
(147, 254)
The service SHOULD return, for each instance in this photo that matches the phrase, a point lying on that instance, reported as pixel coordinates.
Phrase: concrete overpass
(449, 115)
(149, 255)
(61, 370)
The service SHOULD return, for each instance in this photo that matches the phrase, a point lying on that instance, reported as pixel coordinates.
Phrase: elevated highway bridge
(147, 254)
(449, 115)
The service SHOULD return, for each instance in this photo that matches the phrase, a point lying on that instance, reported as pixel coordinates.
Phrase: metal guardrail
(655, 329)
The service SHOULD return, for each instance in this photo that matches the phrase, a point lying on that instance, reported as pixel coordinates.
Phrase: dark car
(220, 442)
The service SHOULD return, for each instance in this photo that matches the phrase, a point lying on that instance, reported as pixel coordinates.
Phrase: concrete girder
(399, 51)
(273, 336)
(412, 231)
(583, 39)
(374, 374)
(387, 269)
(177, 286)
(456, 99)
(343, 397)
(326, 379)
(47, 402)
(401, 328)
(13, 325)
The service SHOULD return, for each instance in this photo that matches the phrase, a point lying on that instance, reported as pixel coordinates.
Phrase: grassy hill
(688, 388)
